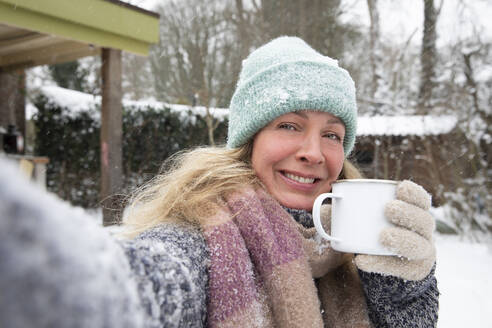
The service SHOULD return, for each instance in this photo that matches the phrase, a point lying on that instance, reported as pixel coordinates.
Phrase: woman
(224, 237)
(240, 215)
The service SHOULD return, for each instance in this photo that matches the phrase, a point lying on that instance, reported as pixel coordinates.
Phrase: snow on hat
(287, 75)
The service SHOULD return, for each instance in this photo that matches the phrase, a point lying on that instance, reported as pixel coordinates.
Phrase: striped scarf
(262, 265)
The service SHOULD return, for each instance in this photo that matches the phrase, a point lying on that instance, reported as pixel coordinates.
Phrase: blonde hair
(189, 181)
(192, 180)
(350, 171)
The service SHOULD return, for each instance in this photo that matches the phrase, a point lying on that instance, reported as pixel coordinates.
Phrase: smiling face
(298, 155)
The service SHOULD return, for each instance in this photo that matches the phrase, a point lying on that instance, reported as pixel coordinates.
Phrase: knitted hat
(287, 75)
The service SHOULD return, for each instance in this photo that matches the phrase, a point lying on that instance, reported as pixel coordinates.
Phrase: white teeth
(299, 179)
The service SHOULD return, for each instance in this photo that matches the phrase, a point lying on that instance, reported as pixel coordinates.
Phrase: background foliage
(71, 141)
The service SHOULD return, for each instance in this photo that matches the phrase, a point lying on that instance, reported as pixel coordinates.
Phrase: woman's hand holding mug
(377, 218)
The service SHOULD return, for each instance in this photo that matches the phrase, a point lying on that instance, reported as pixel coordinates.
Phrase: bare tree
(202, 44)
(242, 20)
(193, 63)
(481, 147)
(137, 80)
(375, 54)
(428, 57)
(316, 21)
(464, 92)
(379, 90)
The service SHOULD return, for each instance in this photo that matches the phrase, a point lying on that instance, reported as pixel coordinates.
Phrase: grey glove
(411, 238)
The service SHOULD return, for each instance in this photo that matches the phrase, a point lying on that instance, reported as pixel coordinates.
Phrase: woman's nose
(310, 150)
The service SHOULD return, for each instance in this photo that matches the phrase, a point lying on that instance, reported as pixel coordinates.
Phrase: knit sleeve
(169, 266)
(59, 268)
(393, 302)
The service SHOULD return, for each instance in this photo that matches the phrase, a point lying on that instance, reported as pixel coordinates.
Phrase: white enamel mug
(357, 217)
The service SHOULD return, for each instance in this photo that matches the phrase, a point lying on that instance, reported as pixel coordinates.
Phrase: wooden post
(111, 136)
(12, 100)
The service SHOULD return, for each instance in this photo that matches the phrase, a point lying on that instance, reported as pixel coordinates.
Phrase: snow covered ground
(464, 275)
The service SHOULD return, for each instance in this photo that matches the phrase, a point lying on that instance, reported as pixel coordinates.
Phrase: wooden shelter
(426, 149)
(34, 32)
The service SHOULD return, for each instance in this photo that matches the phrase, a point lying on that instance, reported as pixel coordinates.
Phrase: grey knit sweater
(59, 269)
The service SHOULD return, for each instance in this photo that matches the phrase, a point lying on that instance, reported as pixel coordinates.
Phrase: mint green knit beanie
(287, 75)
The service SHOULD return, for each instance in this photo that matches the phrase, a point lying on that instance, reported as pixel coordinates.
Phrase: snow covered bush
(67, 131)
(469, 208)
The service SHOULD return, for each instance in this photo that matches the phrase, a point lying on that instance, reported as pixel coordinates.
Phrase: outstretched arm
(58, 268)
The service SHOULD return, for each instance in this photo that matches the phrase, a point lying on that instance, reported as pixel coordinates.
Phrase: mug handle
(317, 215)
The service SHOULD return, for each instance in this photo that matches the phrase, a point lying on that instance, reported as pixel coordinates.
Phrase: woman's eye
(287, 126)
(333, 136)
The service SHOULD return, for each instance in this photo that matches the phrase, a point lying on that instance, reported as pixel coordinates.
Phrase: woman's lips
(295, 181)
(299, 178)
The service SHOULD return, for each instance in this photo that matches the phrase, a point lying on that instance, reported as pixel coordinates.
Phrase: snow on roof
(77, 101)
(405, 125)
